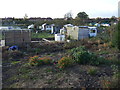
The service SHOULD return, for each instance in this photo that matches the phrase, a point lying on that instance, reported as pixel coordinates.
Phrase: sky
(119, 9)
(58, 8)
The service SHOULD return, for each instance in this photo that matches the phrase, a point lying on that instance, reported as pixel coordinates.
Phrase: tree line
(82, 18)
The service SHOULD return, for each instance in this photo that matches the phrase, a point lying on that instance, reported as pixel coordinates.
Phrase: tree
(113, 18)
(26, 16)
(68, 16)
(81, 19)
(77, 22)
(82, 15)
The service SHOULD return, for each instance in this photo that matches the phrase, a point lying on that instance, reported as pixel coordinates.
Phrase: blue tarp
(13, 48)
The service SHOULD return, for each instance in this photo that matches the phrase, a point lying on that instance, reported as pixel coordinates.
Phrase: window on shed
(92, 31)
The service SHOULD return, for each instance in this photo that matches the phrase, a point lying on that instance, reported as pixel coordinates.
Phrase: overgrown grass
(42, 35)
(92, 71)
(15, 62)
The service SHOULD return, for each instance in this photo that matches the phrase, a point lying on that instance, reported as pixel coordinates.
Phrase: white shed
(59, 37)
(80, 32)
(92, 31)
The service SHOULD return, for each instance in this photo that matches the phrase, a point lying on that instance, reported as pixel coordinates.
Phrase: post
(1, 58)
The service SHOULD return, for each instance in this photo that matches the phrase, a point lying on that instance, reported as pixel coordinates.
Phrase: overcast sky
(119, 9)
(57, 8)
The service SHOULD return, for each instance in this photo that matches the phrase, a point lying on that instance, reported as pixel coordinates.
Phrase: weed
(46, 60)
(59, 75)
(114, 80)
(12, 78)
(49, 81)
(24, 76)
(72, 44)
(106, 83)
(65, 62)
(36, 60)
(92, 71)
(103, 52)
(15, 62)
(115, 68)
(48, 70)
(33, 77)
(15, 54)
(24, 70)
(37, 50)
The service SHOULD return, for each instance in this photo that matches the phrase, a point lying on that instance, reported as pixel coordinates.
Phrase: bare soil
(21, 75)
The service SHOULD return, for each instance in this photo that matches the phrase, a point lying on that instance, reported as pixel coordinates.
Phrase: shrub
(35, 60)
(46, 60)
(74, 50)
(82, 56)
(102, 60)
(65, 62)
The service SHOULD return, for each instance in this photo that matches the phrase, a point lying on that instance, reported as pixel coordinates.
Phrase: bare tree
(68, 16)
(26, 16)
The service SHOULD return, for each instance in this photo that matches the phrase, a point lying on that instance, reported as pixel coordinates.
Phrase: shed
(80, 32)
(16, 37)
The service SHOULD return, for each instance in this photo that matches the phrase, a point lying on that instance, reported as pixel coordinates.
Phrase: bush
(46, 60)
(65, 62)
(36, 60)
(74, 50)
(82, 56)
